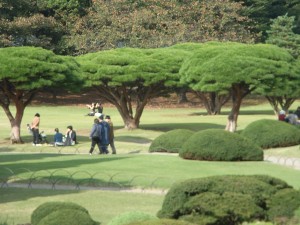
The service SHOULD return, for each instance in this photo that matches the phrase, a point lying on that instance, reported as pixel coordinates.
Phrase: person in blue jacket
(95, 136)
(104, 140)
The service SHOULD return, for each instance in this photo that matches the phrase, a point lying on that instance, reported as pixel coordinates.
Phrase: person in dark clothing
(111, 134)
(297, 112)
(70, 136)
(104, 126)
(95, 135)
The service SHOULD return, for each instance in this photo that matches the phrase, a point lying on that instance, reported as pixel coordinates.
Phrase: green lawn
(132, 166)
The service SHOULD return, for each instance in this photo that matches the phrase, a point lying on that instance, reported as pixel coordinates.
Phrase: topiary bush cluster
(130, 217)
(66, 213)
(230, 200)
(272, 133)
(170, 141)
(220, 145)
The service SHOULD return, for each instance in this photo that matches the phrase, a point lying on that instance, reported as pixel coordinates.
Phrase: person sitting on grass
(92, 108)
(71, 138)
(281, 115)
(292, 118)
(58, 138)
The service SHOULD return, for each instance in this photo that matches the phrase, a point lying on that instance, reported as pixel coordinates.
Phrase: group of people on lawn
(59, 140)
(291, 117)
(101, 134)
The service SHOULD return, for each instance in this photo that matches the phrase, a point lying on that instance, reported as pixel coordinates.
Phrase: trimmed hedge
(229, 200)
(220, 145)
(49, 207)
(67, 217)
(162, 222)
(170, 141)
(272, 133)
(130, 217)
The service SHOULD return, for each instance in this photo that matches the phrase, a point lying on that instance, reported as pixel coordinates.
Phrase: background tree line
(74, 27)
(129, 77)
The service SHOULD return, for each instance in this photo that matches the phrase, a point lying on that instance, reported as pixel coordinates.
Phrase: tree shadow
(16, 195)
(37, 166)
(131, 139)
(164, 127)
(242, 112)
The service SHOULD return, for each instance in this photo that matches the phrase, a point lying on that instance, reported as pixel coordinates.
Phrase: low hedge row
(170, 141)
(272, 133)
(220, 145)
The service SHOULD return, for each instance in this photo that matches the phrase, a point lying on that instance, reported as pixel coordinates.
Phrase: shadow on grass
(15, 195)
(164, 127)
(242, 112)
(131, 139)
(18, 164)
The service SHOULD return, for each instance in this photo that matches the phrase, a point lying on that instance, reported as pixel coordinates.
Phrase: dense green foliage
(261, 12)
(130, 217)
(272, 133)
(220, 145)
(170, 141)
(283, 204)
(163, 222)
(237, 69)
(67, 217)
(233, 199)
(49, 207)
(128, 77)
(282, 34)
(82, 26)
(24, 71)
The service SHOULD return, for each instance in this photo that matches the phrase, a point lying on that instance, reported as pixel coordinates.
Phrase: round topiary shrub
(45, 209)
(272, 133)
(220, 145)
(170, 141)
(130, 217)
(163, 222)
(67, 217)
(228, 200)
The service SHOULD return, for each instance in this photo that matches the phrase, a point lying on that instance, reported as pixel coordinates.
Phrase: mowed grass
(17, 204)
(131, 166)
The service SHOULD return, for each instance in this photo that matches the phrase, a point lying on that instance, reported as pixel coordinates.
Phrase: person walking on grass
(95, 136)
(104, 135)
(111, 134)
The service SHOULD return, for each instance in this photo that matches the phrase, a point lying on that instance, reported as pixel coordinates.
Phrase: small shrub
(272, 133)
(163, 222)
(228, 200)
(170, 141)
(67, 217)
(45, 209)
(130, 217)
(220, 145)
